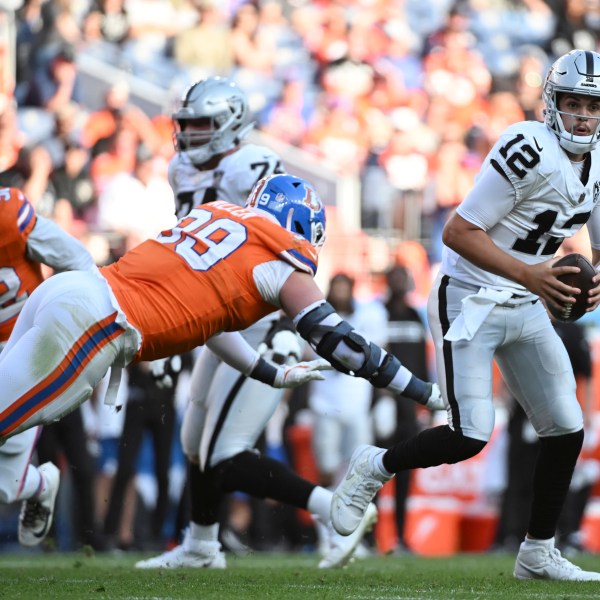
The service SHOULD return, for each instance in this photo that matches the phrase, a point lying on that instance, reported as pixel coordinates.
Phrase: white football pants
(227, 411)
(530, 355)
(67, 336)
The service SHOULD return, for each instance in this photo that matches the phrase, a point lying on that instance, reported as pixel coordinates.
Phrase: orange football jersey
(19, 275)
(196, 280)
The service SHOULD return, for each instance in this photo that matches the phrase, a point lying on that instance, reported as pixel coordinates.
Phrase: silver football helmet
(577, 72)
(219, 108)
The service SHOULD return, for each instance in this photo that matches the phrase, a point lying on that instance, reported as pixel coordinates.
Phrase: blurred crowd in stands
(405, 95)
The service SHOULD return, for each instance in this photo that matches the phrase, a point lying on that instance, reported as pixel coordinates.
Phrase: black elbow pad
(324, 339)
(386, 372)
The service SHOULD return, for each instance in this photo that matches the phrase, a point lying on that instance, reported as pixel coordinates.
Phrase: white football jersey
(231, 180)
(551, 201)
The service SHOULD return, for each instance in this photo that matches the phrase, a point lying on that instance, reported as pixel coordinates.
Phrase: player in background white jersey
(227, 411)
(27, 241)
(341, 404)
(539, 184)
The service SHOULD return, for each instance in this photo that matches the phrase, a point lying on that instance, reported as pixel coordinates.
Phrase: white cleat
(342, 547)
(354, 493)
(546, 562)
(324, 533)
(191, 554)
(36, 514)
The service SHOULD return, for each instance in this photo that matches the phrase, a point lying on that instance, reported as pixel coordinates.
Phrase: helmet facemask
(309, 225)
(220, 108)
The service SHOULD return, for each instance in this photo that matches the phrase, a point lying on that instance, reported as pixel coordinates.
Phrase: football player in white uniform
(539, 184)
(227, 411)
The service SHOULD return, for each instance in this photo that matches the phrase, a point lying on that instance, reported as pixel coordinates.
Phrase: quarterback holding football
(539, 184)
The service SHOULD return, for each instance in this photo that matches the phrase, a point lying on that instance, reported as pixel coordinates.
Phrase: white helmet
(219, 105)
(577, 72)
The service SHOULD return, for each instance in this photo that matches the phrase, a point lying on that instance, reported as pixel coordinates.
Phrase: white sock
(531, 543)
(319, 503)
(33, 484)
(204, 533)
(378, 463)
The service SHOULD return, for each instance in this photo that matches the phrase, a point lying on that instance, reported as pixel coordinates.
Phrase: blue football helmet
(294, 203)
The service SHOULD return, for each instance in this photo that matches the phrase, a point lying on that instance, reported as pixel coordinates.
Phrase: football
(581, 280)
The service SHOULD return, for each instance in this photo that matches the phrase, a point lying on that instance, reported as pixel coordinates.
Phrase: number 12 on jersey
(524, 155)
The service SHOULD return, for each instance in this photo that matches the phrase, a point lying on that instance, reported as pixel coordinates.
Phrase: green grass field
(468, 577)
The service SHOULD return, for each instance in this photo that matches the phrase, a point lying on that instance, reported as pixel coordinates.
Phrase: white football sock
(319, 503)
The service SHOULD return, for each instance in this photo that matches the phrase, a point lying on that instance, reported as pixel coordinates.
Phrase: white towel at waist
(114, 382)
(474, 311)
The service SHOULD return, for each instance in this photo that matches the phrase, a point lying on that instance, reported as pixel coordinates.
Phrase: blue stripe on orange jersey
(26, 213)
(299, 261)
(74, 362)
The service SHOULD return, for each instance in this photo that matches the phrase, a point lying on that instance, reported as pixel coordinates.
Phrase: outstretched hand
(302, 372)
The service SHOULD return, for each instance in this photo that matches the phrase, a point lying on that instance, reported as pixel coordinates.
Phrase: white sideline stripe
(476, 593)
(149, 598)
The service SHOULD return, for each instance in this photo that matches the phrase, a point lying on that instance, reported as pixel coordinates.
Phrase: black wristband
(264, 371)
